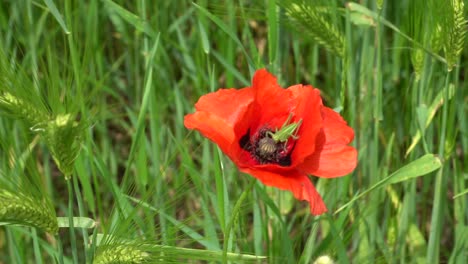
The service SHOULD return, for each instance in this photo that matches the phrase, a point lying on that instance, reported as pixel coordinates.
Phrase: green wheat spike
(380, 4)
(63, 136)
(19, 208)
(418, 27)
(18, 97)
(313, 21)
(61, 132)
(110, 249)
(22, 108)
(455, 25)
(120, 254)
(417, 59)
(437, 40)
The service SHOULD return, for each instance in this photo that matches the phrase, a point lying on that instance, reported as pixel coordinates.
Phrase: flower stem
(235, 213)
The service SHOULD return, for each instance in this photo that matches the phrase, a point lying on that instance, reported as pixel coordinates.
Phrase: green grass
(92, 100)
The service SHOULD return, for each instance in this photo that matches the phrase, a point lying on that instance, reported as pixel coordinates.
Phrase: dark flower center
(265, 149)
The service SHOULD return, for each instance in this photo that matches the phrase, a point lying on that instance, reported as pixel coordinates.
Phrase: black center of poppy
(264, 149)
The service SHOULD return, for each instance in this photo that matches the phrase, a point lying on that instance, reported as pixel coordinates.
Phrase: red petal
(299, 184)
(227, 104)
(272, 103)
(332, 158)
(331, 162)
(335, 128)
(220, 117)
(212, 127)
(308, 103)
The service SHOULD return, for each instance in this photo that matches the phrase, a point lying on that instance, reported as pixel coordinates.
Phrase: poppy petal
(335, 127)
(307, 103)
(333, 161)
(212, 127)
(332, 158)
(299, 184)
(220, 117)
(227, 104)
(272, 102)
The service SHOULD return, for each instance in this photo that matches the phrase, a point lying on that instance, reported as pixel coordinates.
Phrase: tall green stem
(235, 213)
(70, 220)
(440, 188)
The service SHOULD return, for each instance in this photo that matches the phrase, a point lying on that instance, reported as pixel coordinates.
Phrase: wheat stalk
(134, 252)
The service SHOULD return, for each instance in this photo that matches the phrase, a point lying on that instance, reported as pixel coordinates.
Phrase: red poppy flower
(277, 135)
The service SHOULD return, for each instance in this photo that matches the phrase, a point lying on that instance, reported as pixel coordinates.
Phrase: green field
(96, 165)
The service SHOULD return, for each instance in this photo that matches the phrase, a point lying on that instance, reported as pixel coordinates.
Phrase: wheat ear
(20, 208)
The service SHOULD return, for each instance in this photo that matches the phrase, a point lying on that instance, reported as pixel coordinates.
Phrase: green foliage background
(92, 100)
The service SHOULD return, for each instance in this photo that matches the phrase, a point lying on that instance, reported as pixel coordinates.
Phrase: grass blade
(422, 166)
(53, 9)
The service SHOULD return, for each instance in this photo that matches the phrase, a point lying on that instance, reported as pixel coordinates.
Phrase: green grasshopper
(268, 146)
(286, 131)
